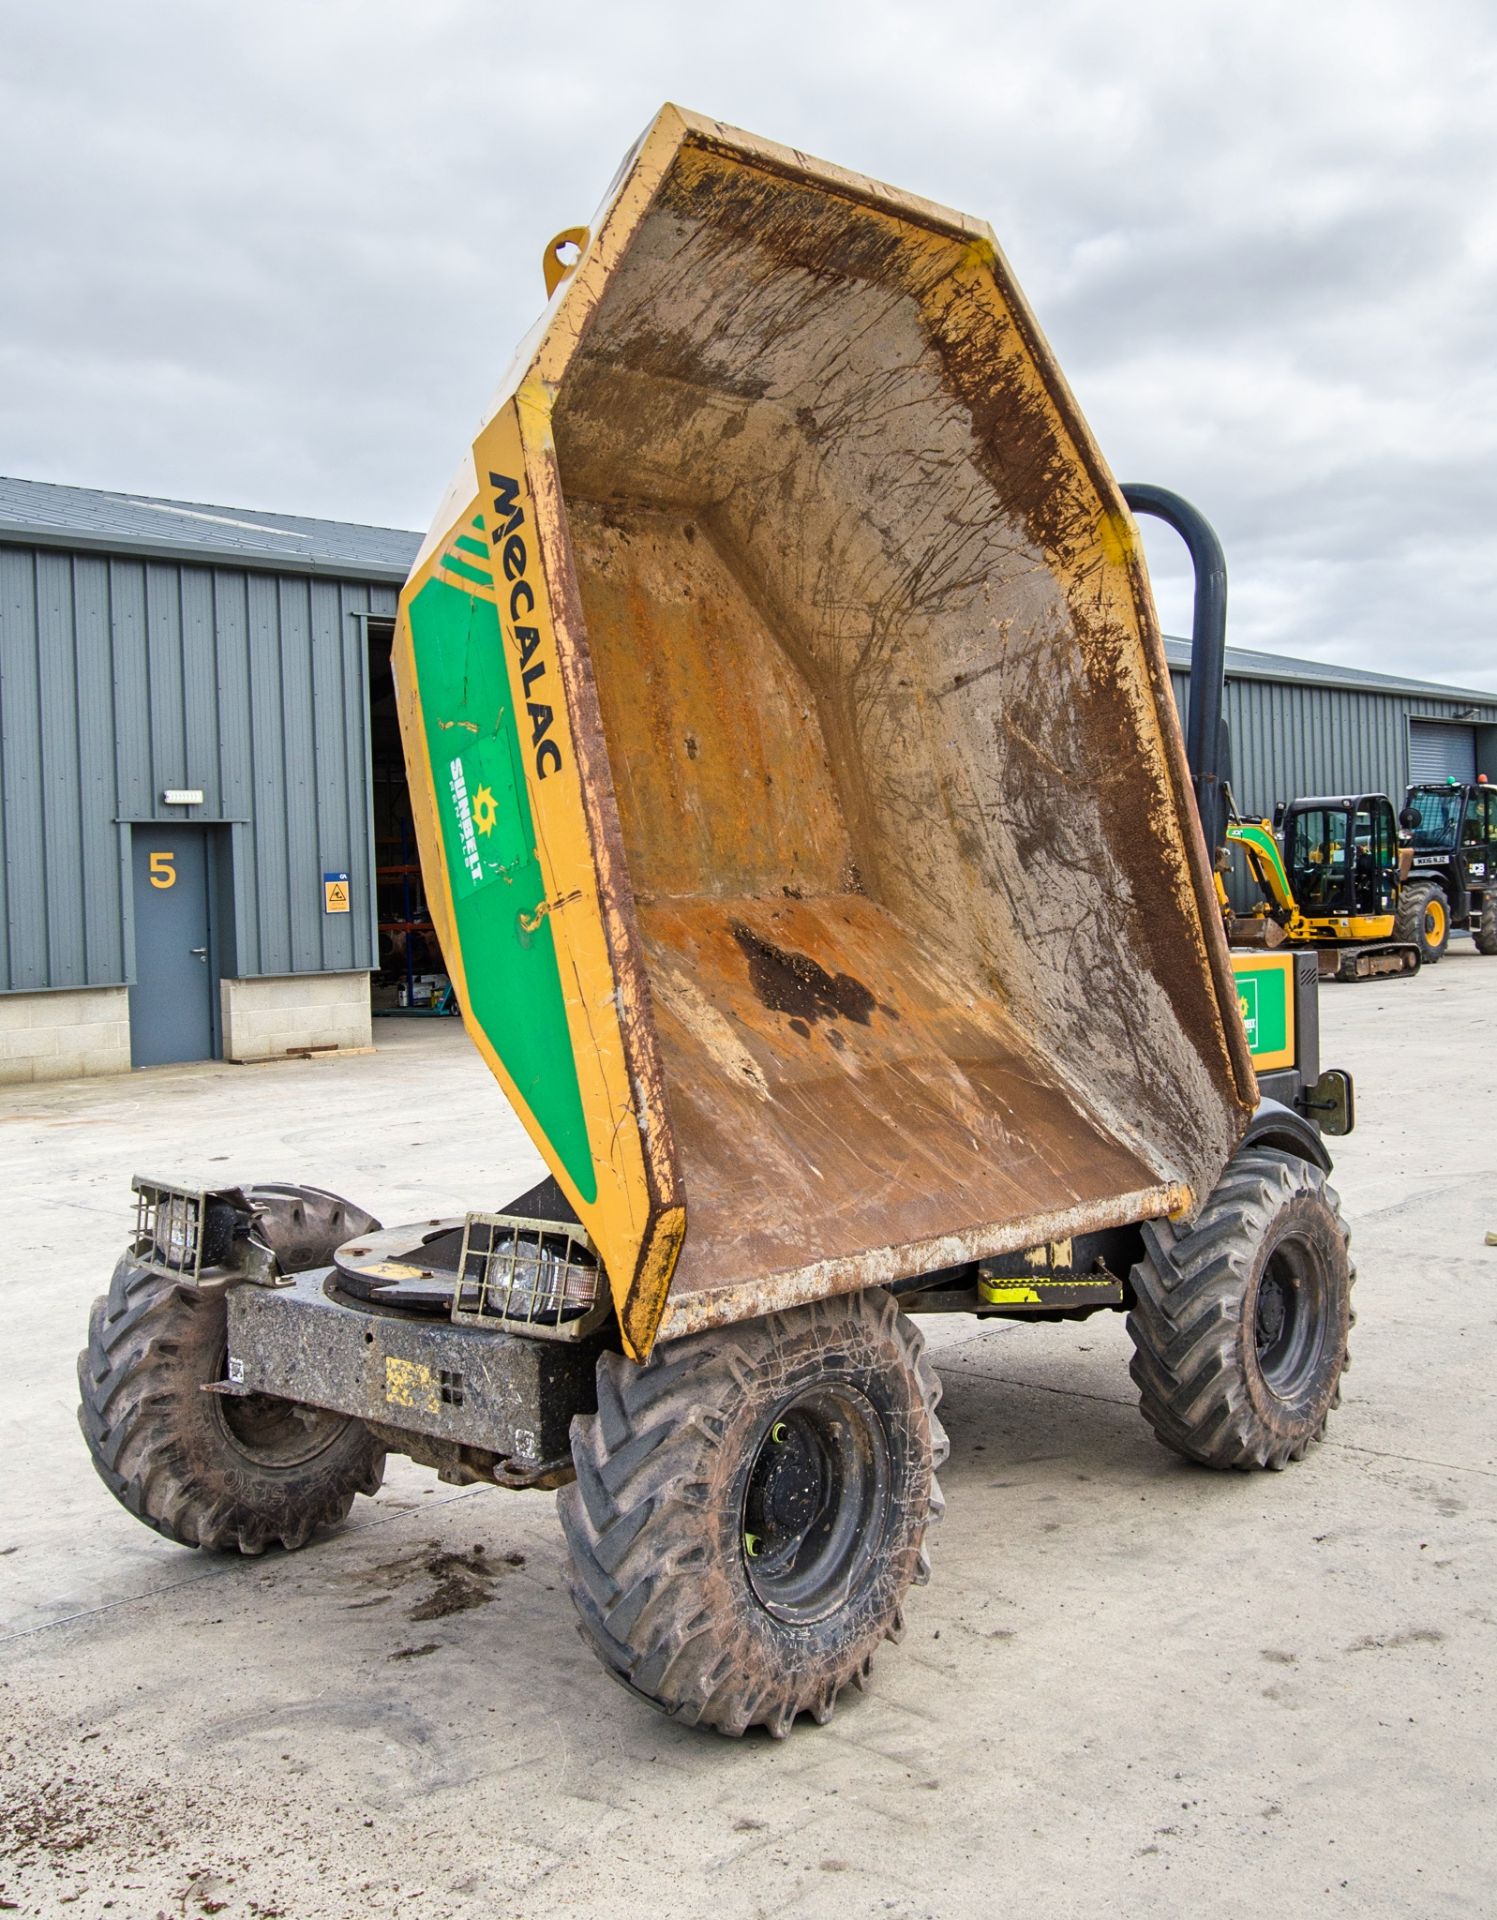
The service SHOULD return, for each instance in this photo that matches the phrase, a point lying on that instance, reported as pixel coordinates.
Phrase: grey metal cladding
(23, 790)
(122, 676)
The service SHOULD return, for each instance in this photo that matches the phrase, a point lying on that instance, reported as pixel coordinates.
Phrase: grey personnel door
(172, 1000)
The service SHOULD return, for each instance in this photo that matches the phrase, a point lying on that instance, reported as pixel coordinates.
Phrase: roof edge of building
(202, 553)
(1243, 663)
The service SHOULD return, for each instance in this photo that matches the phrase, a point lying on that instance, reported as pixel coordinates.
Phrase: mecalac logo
(514, 557)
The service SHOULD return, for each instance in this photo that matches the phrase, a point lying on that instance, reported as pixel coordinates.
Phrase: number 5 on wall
(163, 873)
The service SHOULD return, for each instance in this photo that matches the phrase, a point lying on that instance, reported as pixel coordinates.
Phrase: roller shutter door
(1441, 753)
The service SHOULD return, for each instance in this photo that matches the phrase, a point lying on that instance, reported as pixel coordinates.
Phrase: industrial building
(188, 735)
(1300, 726)
(204, 826)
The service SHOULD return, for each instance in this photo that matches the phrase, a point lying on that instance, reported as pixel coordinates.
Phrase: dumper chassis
(819, 868)
(746, 1513)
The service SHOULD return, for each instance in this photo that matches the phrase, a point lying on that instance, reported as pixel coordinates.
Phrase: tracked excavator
(1331, 873)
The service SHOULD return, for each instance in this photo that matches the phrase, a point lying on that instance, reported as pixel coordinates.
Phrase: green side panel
(473, 749)
(1263, 995)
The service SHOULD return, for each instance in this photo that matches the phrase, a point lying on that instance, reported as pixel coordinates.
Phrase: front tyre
(1486, 926)
(1240, 1323)
(1424, 918)
(206, 1469)
(750, 1510)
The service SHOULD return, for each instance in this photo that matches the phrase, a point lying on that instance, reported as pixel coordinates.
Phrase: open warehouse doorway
(410, 976)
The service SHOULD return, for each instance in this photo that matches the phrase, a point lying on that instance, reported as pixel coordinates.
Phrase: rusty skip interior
(887, 741)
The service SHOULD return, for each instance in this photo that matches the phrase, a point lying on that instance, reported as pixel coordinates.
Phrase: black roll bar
(1205, 737)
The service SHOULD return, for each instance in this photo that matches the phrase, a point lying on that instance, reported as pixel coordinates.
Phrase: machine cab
(1436, 809)
(1341, 855)
(1479, 838)
(1445, 815)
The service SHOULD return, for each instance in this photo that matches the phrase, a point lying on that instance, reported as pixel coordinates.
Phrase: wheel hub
(276, 1433)
(816, 1502)
(791, 1491)
(1272, 1312)
(1288, 1317)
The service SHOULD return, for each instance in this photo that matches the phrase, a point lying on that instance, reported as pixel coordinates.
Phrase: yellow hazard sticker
(409, 1384)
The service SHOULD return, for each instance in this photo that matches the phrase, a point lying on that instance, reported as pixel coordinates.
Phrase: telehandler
(1453, 828)
(814, 855)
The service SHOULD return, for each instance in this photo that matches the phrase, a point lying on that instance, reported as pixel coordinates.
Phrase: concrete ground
(1131, 1685)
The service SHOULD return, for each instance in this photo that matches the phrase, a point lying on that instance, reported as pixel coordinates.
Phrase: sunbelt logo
(1263, 1001)
(1247, 1000)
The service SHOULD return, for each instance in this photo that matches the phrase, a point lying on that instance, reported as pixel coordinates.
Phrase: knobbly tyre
(812, 847)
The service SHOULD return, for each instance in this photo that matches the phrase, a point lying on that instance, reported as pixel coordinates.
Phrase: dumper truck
(813, 851)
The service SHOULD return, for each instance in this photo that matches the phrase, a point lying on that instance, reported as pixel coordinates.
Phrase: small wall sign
(335, 893)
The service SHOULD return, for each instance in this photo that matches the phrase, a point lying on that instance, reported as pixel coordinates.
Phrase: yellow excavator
(1329, 870)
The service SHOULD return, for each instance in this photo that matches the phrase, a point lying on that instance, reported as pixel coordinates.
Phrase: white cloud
(275, 255)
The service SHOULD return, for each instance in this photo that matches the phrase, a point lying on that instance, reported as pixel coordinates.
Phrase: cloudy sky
(275, 253)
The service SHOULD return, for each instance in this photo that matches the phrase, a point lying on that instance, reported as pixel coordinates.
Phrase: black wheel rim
(1290, 1317)
(815, 1506)
(274, 1433)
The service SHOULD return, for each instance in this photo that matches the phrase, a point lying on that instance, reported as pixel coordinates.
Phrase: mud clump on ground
(463, 1581)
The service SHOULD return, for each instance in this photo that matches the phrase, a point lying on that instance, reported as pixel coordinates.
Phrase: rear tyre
(750, 1510)
(1424, 918)
(1240, 1323)
(1486, 927)
(205, 1469)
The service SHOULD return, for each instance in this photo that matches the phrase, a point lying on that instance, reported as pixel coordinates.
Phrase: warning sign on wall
(335, 893)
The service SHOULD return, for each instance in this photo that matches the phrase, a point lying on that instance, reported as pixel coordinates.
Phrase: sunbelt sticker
(484, 826)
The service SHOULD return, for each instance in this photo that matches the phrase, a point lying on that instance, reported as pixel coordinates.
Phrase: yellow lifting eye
(777, 1433)
(562, 255)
